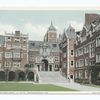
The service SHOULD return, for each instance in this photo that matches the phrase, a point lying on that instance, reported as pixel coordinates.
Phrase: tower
(51, 35)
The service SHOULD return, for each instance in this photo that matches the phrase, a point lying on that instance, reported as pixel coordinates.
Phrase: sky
(36, 22)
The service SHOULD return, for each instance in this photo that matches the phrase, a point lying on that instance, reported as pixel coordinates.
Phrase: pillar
(34, 77)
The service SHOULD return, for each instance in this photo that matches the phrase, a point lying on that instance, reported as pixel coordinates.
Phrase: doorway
(44, 65)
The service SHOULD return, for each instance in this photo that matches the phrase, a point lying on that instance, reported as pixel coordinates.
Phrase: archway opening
(44, 65)
(30, 76)
(11, 76)
(2, 76)
(21, 76)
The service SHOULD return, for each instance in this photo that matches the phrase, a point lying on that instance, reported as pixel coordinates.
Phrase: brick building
(13, 56)
(67, 52)
(87, 51)
(45, 54)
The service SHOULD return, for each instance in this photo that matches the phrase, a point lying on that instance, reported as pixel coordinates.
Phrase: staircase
(52, 77)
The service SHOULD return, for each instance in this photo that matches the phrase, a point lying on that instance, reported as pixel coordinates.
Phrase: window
(92, 49)
(0, 56)
(17, 46)
(33, 44)
(86, 74)
(54, 45)
(80, 51)
(72, 63)
(8, 55)
(0, 65)
(77, 63)
(86, 61)
(16, 55)
(72, 53)
(8, 64)
(56, 59)
(98, 58)
(86, 49)
(98, 41)
(16, 64)
(81, 62)
(76, 74)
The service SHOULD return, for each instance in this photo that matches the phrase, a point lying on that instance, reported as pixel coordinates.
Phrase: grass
(8, 86)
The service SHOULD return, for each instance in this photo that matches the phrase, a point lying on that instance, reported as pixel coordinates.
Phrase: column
(34, 77)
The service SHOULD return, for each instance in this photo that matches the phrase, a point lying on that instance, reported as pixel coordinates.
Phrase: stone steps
(49, 77)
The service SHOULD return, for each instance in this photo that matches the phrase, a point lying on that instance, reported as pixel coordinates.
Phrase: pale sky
(36, 23)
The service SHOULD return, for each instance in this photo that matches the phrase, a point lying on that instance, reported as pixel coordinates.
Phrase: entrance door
(44, 65)
(50, 68)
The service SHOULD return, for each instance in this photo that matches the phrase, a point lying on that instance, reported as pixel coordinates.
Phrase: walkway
(77, 86)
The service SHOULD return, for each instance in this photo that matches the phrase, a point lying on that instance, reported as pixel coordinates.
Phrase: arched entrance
(44, 65)
(2, 76)
(21, 76)
(11, 76)
(30, 76)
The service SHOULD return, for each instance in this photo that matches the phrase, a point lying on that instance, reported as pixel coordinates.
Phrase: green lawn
(30, 87)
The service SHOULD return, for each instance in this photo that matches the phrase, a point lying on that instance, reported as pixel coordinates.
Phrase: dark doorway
(71, 76)
(45, 65)
(21, 76)
(11, 76)
(38, 67)
(30, 76)
(2, 76)
(50, 67)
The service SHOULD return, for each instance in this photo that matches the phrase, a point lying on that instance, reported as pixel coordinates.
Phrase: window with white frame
(16, 55)
(77, 63)
(98, 58)
(86, 74)
(0, 45)
(80, 51)
(17, 39)
(92, 49)
(17, 45)
(56, 58)
(0, 65)
(81, 62)
(76, 74)
(86, 49)
(8, 64)
(16, 64)
(0, 56)
(86, 61)
(98, 41)
(8, 54)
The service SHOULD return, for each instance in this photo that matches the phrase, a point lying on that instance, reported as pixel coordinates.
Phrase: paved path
(77, 86)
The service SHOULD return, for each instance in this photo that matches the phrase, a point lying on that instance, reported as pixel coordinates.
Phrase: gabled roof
(69, 32)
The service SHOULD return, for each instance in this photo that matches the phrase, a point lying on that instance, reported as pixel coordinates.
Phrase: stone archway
(2, 76)
(45, 65)
(30, 76)
(11, 76)
(21, 76)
